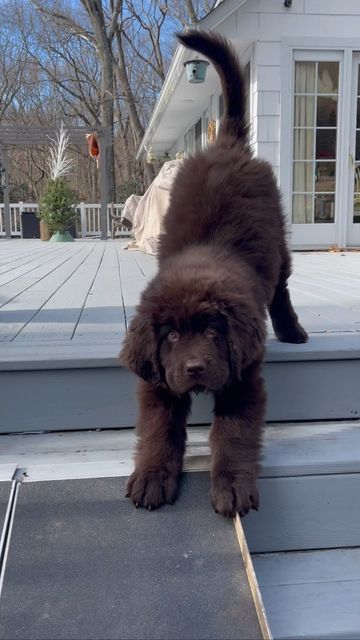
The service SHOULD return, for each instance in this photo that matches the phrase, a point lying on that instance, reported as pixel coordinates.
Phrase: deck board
(289, 450)
(86, 292)
(9, 264)
(19, 311)
(59, 316)
(36, 268)
(133, 281)
(314, 594)
(103, 318)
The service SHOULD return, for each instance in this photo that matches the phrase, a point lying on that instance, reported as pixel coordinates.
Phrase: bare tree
(94, 62)
(99, 32)
(191, 11)
(12, 65)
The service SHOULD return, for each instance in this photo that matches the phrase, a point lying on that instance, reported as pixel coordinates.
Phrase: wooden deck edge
(84, 454)
(253, 583)
(72, 355)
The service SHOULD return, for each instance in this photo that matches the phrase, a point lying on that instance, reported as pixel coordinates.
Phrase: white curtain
(304, 116)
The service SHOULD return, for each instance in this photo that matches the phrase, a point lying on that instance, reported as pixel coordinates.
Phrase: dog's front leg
(160, 448)
(235, 441)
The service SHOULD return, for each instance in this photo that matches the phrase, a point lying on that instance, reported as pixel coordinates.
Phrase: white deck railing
(89, 219)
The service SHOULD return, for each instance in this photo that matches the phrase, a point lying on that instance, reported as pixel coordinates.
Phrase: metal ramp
(75, 552)
(82, 563)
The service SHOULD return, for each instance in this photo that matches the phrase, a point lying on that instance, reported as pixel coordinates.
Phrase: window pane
(305, 77)
(328, 77)
(326, 111)
(357, 179)
(326, 143)
(358, 114)
(303, 176)
(303, 144)
(356, 218)
(304, 111)
(247, 91)
(302, 209)
(357, 149)
(198, 130)
(221, 106)
(325, 176)
(324, 208)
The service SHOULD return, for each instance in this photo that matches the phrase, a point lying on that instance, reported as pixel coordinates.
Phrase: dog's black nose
(195, 367)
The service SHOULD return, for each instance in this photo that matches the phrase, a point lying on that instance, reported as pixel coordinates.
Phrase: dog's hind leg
(160, 449)
(283, 317)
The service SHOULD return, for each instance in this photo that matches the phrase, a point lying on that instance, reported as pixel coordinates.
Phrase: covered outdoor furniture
(151, 208)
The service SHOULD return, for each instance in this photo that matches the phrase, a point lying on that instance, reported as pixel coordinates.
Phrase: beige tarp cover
(148, 212)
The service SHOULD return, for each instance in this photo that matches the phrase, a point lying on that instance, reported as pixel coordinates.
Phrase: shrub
(57, 206)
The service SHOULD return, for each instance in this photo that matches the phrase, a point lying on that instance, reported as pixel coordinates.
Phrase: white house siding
(266, 32)
(266, 22)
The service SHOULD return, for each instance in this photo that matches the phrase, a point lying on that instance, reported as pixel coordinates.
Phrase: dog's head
(196, 327)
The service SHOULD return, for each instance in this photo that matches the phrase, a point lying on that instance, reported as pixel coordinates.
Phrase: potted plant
(57, 204)
(57, 209)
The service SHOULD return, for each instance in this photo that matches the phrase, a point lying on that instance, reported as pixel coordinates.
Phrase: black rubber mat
(5, 488)
(84, 563)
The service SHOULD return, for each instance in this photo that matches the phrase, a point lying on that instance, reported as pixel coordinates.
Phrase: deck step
(309, 489)
(309, 484)
(314, 594)
(83, 386)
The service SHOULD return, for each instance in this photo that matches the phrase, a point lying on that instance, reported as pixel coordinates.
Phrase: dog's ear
(139, 352)
(246, 335)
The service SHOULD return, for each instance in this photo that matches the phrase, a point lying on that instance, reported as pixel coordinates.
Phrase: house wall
(266, 24)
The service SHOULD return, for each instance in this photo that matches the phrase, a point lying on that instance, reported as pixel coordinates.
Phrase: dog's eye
(210, 332)
(173, 336)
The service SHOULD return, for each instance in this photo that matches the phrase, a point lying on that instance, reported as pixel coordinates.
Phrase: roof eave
(220, 13)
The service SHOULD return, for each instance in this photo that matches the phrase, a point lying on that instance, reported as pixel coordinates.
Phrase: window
(198, 135)
(221, 106)
(189, 142)
(247, 92)
(315, 137)
(356, 212)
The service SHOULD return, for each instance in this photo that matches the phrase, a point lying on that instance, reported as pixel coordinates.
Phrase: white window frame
(191, 129)
(345, 47)
(324, 234)
(352, 230)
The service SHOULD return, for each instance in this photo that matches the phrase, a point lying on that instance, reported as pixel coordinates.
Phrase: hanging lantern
(94, 147)
(196, 70)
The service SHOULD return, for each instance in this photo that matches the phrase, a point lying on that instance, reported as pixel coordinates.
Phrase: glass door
(315, 147)
(353, 230)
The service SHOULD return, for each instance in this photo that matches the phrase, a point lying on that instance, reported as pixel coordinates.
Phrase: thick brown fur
(200, 324)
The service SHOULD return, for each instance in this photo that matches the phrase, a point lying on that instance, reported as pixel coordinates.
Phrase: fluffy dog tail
(223, 57)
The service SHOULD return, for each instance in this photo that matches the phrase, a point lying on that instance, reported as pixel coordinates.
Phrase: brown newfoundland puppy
(200, 324)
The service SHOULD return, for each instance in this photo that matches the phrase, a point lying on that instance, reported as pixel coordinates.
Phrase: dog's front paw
(294, 334)
(152, 488)
(234, 494)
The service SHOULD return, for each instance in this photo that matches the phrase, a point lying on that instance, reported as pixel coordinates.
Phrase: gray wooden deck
(85, 293)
